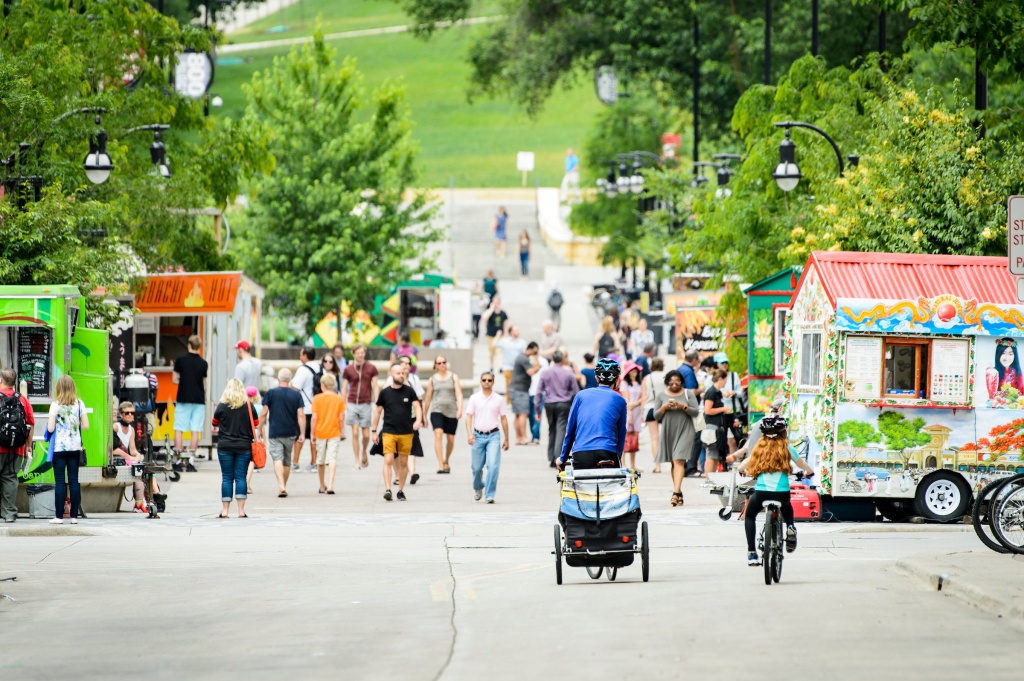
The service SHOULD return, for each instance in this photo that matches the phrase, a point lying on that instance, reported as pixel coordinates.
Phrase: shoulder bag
(698, 421)
(259, 448)
(83, 459)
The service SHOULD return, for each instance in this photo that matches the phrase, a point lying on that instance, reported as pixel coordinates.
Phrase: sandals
(677, 499)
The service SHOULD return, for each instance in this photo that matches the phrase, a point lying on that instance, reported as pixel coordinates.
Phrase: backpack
(13, 423)
(317, 375)
(605, 345)
(555, 300)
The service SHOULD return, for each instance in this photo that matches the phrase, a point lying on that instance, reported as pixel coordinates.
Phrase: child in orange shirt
(326, 427)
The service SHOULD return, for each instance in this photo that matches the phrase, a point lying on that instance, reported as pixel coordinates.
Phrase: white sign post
(524, 164)
(1015, 240)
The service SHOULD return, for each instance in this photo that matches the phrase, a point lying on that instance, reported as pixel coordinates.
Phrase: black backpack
(555, 300)
(13, 423)
(317, 375)
(605, 345)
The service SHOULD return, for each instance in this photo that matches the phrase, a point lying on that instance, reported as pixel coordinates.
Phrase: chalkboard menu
(35, 359)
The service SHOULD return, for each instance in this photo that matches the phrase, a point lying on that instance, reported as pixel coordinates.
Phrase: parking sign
(1015, 234)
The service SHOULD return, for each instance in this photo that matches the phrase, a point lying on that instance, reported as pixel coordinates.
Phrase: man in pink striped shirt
(484, 413)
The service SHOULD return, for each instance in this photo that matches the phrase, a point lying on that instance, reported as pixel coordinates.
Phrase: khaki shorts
(396, 444)
(327, 451)
(280, 449)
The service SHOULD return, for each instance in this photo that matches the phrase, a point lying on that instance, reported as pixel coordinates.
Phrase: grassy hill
(476, 143)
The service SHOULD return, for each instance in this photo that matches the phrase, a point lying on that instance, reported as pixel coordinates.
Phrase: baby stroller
(598, 521)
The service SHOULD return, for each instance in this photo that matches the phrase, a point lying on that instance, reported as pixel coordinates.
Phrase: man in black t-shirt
(715, 414)
(403, 416)
(283, 408)
(190, 404)
(496, 320)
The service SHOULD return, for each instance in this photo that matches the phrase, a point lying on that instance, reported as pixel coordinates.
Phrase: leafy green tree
(857, 434)
(113, 55)
(336, 220)
(901, 434)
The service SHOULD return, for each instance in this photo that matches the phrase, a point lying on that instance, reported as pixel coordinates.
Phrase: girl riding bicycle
(771, 463)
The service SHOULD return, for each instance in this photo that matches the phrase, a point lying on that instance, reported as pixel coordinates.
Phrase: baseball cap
(242, 345)
(721, 357)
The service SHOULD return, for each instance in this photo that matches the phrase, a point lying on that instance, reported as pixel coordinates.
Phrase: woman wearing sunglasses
(444, 404)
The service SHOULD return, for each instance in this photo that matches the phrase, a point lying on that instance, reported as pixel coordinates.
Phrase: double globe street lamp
(787, 174)
(625, 174)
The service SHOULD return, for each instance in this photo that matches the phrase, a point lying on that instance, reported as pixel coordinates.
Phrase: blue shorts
(188, 417)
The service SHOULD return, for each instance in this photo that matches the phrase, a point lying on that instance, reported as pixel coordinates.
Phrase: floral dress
(68, 431)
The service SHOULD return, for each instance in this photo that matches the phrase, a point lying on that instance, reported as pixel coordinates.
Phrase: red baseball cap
(242, 345)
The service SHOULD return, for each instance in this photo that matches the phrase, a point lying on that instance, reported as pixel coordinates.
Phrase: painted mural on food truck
(896, 392)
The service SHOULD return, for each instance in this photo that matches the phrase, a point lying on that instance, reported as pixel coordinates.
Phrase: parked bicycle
(998, 515)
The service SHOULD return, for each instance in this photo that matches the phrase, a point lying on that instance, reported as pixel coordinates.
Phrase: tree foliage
(857, 434)
(901, 434)
(114, 55)
(336, 219)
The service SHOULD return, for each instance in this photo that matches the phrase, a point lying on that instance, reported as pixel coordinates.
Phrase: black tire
(558, 554)
(980, 518)
(777, 555)
(896, 510)
(645, 552)
(595, 572)
(943, 496)
(725, 513)
(174, 476)
(611, 573)
(1007, 518)
(769, 546)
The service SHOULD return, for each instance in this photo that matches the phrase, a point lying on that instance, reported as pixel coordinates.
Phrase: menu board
(35, 359)
(863, 367)
(949, 370)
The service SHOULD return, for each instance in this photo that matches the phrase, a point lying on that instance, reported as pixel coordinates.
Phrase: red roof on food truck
(901, 276)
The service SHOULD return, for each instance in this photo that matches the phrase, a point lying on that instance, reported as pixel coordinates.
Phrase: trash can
(40, 501)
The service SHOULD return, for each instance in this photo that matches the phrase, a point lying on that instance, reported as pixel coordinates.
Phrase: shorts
(446, 424)
(396, 444)
(650, 416)
(280, 449)
(358, 415)
(309, 425)
(327, 451)
(189, 417)
(520, 402)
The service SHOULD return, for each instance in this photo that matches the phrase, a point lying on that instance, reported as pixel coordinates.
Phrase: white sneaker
(74, 521)
(56, 521)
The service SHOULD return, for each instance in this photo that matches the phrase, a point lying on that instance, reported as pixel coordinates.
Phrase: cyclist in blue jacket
(771, 463)
(596, 430)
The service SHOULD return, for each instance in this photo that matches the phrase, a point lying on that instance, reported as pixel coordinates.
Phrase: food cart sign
(949, 370)
(1015, 236)
(190, 294)
(863, 367)
(35, 355)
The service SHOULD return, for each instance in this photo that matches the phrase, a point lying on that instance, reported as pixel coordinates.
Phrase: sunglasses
(128, 413)
(440, 361)
(487, 380)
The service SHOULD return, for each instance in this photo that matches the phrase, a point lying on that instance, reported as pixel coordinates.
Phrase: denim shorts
(189, 417)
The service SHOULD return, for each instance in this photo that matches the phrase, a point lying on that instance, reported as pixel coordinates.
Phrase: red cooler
(806, 502)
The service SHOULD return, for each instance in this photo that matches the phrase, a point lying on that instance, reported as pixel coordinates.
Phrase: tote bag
(259, 448)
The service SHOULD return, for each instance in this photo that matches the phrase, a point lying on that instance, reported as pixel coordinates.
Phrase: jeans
(558, 419)
(233, 467)
(534, 422)
(486, 451)
(66, 461)
(10, 464)
(524, 263)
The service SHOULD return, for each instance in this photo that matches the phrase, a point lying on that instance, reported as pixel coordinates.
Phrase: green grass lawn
(474, 143)
(337, 16)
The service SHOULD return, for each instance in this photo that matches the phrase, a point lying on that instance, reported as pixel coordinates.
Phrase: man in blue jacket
(597, 422)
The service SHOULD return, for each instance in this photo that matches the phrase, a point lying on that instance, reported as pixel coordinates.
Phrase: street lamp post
(625, 176)
(787, 174)
(157, 152)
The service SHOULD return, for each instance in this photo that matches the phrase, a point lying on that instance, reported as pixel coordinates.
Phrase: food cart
(221, 308)
(904, 372)
(43, 336)
(767, 305)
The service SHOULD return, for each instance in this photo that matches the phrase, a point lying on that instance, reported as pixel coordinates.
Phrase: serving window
(809, 370)
(933, 369)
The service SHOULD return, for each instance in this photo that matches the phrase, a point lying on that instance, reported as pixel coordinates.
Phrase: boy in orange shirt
(326, 426)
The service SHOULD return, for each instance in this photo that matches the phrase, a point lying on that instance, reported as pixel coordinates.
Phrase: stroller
(598, 521)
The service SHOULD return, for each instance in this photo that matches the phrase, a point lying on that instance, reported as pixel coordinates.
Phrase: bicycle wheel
(769, 542)
(558, 554)
(645, 552)
(980, 518)
(777, 552)
(999, 493)
(1008, 517)
(595, 572)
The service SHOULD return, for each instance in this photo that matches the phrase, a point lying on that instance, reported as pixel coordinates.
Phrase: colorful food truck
(767, 307)
(43, 337)
(904, 372)
(221, 308)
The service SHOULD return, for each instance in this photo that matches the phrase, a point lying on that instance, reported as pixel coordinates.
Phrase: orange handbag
(259, 448)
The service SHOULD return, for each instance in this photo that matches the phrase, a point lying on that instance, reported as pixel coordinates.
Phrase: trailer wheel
(942, 496)
(558, 554)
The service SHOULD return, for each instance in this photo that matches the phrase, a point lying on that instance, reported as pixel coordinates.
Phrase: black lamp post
(157, 152)
(625, 174)
(787, 174)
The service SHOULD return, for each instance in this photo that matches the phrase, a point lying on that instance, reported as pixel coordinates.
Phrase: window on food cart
(906, 368)
(896, 368)
(809, 372)
(781, 317)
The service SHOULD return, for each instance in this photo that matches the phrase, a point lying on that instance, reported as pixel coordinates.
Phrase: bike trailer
(806, 502)
(600, 514)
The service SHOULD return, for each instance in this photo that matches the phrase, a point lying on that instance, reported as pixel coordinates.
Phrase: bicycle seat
(771, 504)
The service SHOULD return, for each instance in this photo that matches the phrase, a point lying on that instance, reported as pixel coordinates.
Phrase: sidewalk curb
(959, 587)
(28, 530)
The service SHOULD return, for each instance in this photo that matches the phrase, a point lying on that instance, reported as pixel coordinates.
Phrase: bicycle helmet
(607, 371)
(773, 425)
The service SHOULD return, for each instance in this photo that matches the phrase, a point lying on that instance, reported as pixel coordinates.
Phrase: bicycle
(1006, 513)
(771, 542)
(980, 517)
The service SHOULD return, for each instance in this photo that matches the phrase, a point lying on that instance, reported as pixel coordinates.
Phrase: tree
(857, 434)
(901, 434)
(113, 55)
(336, 219)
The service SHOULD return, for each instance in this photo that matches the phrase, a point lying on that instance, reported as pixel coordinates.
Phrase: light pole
(625, 176)
(157, 152)
(787, 174)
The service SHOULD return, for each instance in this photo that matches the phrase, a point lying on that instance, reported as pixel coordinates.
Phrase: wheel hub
(942, 497)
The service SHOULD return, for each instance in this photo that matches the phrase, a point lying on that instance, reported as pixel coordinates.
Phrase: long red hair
(770, 455)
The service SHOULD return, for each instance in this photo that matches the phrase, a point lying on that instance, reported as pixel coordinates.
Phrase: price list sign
(949, 370)
(863, 367)
(35, 353)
